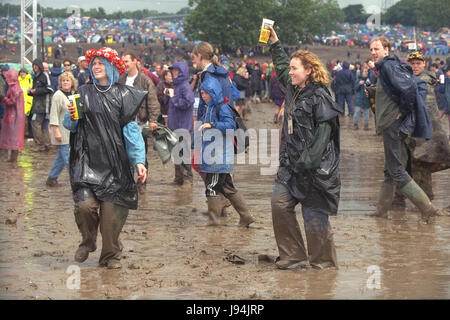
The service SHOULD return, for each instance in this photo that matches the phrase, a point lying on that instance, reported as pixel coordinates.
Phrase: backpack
(241, 133)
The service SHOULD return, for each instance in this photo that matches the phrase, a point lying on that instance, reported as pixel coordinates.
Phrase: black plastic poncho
(98, 159)
(312, 177)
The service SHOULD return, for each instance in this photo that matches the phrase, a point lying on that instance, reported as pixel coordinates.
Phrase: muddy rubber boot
(355, 126)
(241, 207)
(399, 199)
(14, 155)
(179, 176)
(87, 221)
(51, 182)
(385, 198)
(226, 205)
(215, 206)
(366, 127)
(417, 196)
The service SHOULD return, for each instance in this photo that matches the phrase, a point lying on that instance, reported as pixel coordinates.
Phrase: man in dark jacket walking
(41, 92)
(344, 82)
(395, 98)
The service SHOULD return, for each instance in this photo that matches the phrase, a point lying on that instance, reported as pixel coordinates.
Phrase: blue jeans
(358, 112)
(341, 98)
(61, 160)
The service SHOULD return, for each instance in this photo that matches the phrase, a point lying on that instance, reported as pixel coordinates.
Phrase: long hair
(206, 51)
(69, 75)
(312, 61)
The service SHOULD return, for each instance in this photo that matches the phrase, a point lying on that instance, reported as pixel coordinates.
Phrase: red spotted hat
(109, 54)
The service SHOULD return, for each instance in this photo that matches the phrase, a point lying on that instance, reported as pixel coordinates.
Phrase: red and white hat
(109, 54)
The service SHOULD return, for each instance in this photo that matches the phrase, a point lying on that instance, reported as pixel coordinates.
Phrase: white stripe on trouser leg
(214, 180)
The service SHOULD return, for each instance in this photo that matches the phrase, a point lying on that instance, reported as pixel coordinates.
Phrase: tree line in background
(233, 23)
(97, 13)
(421, 13)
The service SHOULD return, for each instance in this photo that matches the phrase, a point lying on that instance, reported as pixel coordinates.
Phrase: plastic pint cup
(264, 35)
(75, 101)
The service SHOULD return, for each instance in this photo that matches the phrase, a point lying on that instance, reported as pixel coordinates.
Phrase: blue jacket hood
(217, 70)
(213, 88)
(345, 65)
(56, 71)
(183, 74)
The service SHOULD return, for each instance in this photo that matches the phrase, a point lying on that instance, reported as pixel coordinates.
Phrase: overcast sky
(170, 6)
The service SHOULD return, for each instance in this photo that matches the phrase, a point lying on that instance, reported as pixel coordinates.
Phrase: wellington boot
(215, 206)
(241, 207)
(385, 198)
(417, 196)
(226, 205)
(14, 155)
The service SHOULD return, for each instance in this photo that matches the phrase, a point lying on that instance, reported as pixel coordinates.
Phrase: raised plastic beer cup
(264, 34)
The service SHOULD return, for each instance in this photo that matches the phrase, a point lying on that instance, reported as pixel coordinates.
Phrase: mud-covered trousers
(89, 214)
(291, 247)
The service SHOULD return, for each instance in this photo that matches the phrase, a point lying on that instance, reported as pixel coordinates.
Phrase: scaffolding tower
(28, 27)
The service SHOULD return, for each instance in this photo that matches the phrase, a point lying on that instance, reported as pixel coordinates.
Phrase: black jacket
(42, 84)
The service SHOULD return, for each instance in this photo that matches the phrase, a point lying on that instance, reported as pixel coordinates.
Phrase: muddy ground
(169, 253)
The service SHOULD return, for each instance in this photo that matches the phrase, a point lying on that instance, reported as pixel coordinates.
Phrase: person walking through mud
(105, 144)
(42, 93)
(309, 161)
(428, 156)
(218, 165)
(166, 82)
(59, 136)
(13, 124)
(181, 105)
(398, 114)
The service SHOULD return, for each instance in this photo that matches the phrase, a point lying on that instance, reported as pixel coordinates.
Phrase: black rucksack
(239, 134)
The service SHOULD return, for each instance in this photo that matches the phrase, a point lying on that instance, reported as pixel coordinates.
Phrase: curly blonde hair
(68, 74)
(312, 61)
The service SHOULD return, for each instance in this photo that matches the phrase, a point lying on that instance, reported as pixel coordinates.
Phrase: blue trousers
(61, 160)
(357, 113)
(341, 98)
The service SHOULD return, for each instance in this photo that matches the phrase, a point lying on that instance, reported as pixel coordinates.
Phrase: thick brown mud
(169, 253)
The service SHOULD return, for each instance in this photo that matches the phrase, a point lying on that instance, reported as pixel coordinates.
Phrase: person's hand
(399, 116)
(371, 64)
(205, 126)
(153, 126)
(273, 35)
(142, 172)
(71, 110)
(58, 136)
(281, 113)
(361, 81)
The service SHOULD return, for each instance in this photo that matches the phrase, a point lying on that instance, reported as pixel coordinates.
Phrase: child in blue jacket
(218, 155)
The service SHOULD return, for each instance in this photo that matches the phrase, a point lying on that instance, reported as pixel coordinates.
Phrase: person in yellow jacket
(26, 83)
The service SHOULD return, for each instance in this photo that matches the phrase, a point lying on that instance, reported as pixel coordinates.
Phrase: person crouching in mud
(218, 163)
(104, 146)
(309, 161)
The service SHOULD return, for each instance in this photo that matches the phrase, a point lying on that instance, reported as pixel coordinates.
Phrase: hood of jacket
(55, 72)
(345, 65)
(217, 70)
(213, 88)
(12, 77)
(39, 63)
(183, 72)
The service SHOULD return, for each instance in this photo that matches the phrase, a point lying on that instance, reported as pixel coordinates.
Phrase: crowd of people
(102, 114)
